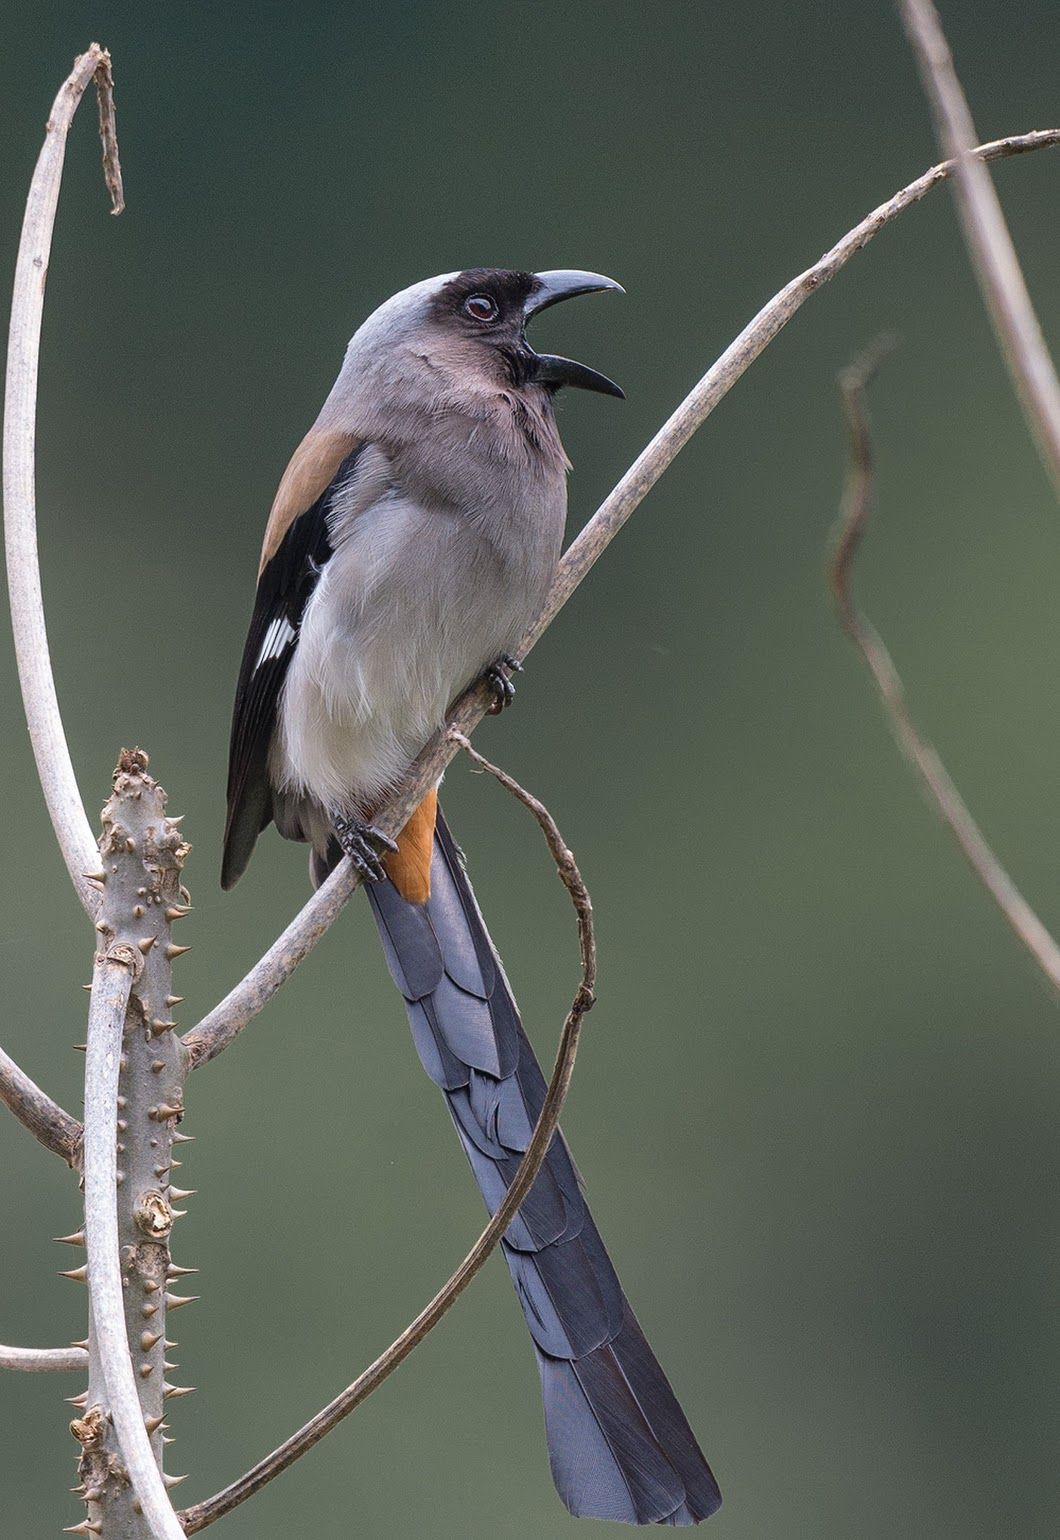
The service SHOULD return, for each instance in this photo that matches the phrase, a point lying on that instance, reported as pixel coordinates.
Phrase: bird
(412, 540)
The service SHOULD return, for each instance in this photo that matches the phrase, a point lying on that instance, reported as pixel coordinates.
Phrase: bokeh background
(816, 1105)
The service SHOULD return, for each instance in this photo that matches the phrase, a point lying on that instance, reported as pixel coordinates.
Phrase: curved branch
(43, 1360)
(111, 983)
(224, 1023)
(987, 236)
(858, 499)
(35, 1110)
(213, 1508)
(43, 718)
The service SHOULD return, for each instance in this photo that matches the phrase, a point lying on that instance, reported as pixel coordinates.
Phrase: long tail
(619, 1444)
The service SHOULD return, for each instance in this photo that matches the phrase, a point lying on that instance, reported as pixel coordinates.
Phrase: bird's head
(468, 330)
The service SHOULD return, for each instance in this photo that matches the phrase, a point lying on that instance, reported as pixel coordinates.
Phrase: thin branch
(43, 1360)
(224, 1023)
(50, 749)
(858, 499)
(987, 236)
(35, 1110)
(111, 984)
(213, 1508)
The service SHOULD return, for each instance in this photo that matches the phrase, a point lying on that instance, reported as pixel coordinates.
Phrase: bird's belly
(408, 611)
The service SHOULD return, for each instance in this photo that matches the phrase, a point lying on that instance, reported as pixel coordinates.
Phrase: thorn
(152, 1424)
(146, 944)
(103, 927)
(183, 1138)
(169, 1344)
(99, 876)
(81, 1047)
(145, 1370)
(159, 1026)
(148, 1340)
(138, 911)
(173, 913)
(171, 1000)
(78, 1274)
(130, 844)
(173, 1271)
(182, 1192)
(80, 1401)
(151, 1287)
(176, 951)
(179, 819)
(147, 1311)
(179, 1213)
(120, 1102)
(177, 1163)
(95, 1494)
(168, 1367)
(166, 1440)
(86, 1527)
(83, 1343)
(123, 1124)
(160, 1171)
(174, 1301)
(119, 1179)
(78, 1489)
(77, 1239)
(177, 1390)
(164, 1111)
(88, 987)
(157, 1066)
(173, 1481)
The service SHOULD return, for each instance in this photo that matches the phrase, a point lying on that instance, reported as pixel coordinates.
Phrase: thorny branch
(213, 1508)
(111, 984)
(858, 499)
(241, 1005)
(987, 236)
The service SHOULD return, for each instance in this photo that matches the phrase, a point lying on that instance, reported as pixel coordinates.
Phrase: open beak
(550, 368)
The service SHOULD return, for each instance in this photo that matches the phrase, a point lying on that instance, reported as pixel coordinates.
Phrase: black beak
(550, 368)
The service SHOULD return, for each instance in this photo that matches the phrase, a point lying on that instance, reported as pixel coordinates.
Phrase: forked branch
(241, 1005)
(987, 236)
(204, 1513)
(858, 499)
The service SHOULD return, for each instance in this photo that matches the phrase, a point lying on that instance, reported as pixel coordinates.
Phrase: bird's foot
(496, 676)
(363, 843)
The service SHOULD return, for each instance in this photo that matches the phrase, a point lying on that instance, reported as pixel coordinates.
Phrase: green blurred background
(816, 1106)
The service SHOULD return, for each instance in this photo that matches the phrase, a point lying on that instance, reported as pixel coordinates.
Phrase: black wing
(287, 580)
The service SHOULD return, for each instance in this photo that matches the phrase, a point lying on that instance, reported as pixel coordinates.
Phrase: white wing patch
(279, 635)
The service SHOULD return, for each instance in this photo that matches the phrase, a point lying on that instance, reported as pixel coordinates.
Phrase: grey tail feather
(619, 1444)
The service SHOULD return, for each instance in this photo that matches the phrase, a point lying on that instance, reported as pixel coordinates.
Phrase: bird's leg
(498, 681)
(361, 842)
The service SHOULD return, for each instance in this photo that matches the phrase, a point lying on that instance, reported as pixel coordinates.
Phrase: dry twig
(213, 1508)
(987, 236)
(43, 1360)
(224, 1023)
(35, 1110)
(858, 499)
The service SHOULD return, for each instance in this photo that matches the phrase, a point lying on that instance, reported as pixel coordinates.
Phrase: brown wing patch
(409, 868)
(311, 468)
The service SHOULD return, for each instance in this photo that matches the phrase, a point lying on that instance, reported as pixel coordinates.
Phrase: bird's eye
(480, 307)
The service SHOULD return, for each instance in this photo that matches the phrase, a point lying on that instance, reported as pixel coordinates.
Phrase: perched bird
(411, 542)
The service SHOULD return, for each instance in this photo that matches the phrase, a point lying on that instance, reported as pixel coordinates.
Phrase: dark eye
(480, 307)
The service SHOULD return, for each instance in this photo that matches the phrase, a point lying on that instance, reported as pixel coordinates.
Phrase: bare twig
(35, 1110)
(987, 236)
(43, 1360)
(213, 1508)
(858, 499)
(111, 985)
(227, 1019)
(54, 766)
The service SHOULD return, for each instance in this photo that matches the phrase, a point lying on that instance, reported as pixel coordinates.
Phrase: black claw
(360, 841)
(499, 683)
